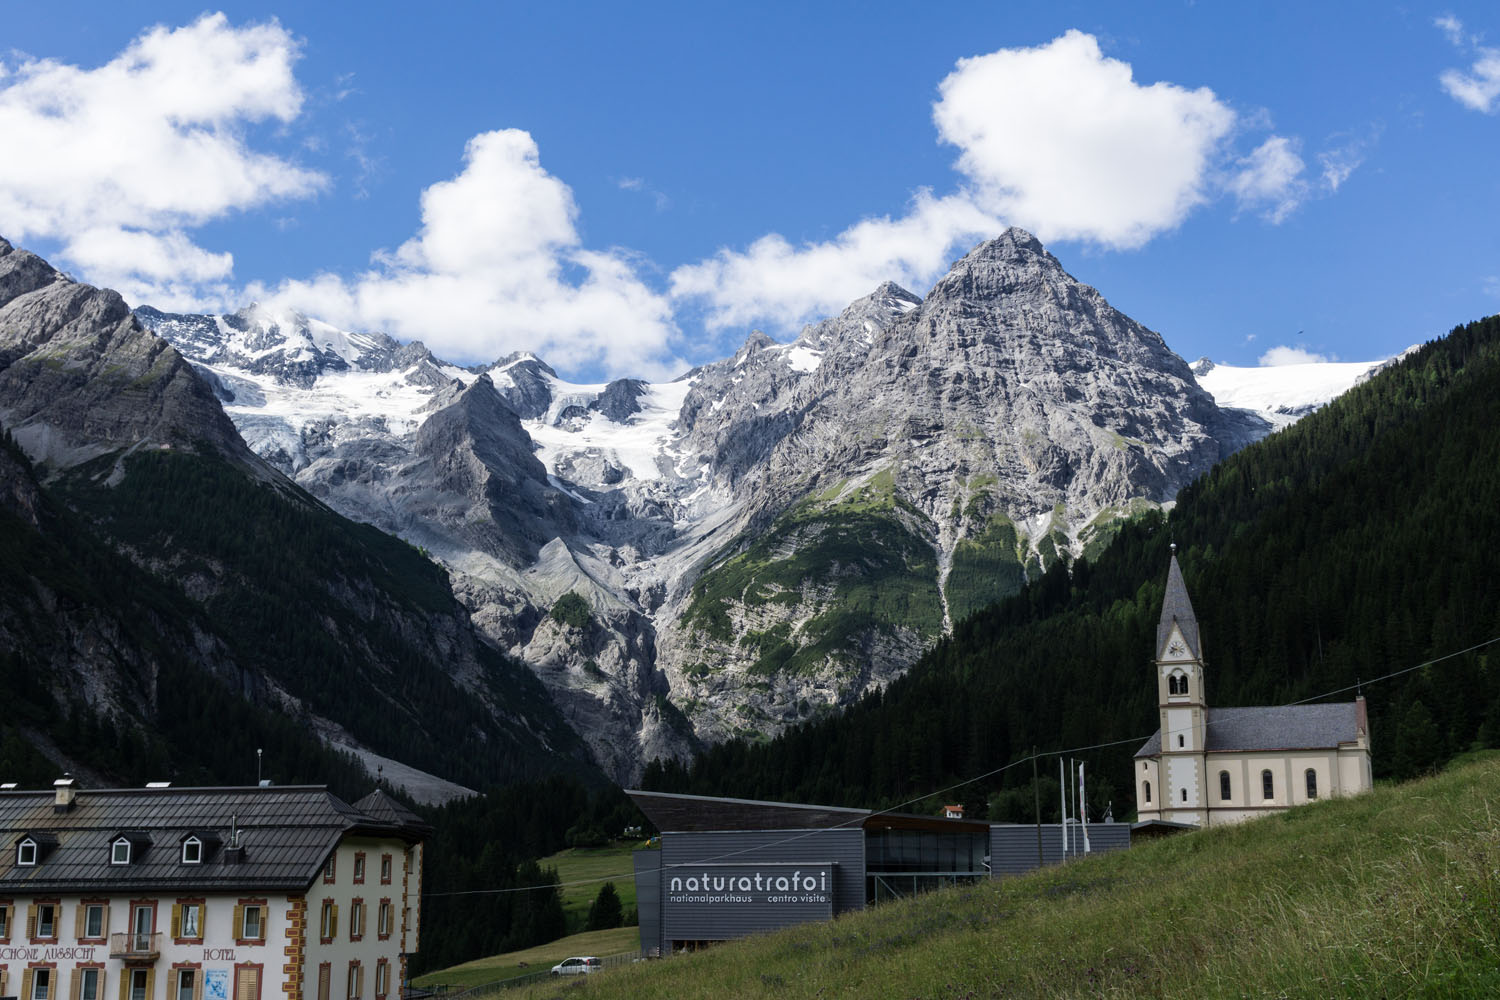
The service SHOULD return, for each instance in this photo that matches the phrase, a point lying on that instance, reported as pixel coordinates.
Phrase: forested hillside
(1359, 542)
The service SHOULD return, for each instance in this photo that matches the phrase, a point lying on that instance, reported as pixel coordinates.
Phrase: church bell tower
(1183, 705)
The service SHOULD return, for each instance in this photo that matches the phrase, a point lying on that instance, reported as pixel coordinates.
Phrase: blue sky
(630, 189)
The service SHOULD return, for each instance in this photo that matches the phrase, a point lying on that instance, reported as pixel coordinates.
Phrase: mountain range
(767, 537)
(758, 542)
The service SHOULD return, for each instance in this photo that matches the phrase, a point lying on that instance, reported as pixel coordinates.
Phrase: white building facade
(206, 894)
(1209, 766)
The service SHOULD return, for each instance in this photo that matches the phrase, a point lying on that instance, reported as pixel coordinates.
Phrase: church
(1211, 766)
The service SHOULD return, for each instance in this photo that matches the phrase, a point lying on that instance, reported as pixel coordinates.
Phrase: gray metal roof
(681, 813)
(387, 809)
(1176, 607)
(1278, 727)
(286, 834)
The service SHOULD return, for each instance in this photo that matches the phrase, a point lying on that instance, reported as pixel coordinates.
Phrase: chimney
(65, 793)
(1361, 717)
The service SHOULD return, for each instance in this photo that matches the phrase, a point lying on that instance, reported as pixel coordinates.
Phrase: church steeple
(1177, 615)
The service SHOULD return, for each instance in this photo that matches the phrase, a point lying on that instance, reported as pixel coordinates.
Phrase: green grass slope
(528, 961)
(1393, 894)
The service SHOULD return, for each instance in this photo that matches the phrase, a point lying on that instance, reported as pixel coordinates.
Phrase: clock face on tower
(1176, 648)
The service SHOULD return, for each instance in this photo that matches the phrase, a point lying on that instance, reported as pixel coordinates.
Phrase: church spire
(1177, 610)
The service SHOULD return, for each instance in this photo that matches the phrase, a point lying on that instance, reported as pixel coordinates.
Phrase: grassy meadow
(538, 959)
(585, 864)
(576, 864)
(1392, 894)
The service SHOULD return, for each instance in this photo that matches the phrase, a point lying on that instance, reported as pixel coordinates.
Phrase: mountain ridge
(1006, 420)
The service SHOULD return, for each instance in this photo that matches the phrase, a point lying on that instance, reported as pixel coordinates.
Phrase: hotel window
(5, 921)
(26, 853)
(41, 983)
(91, 921)
(119, 852)
(328, 922)
(356, 919)
(43, 922)
(330, 867)
(247, 982)
(382, 978)
(325, 980)
(186, 983)
(1224, 785)
(385, 869)
(88, 984)
(192, 851)
(1312, 783)
(356, 981)
(383, 920)
(140, 984)
(359, 868)
(1267, 785)
(187, 920)
(250, 922)
(1147, 787)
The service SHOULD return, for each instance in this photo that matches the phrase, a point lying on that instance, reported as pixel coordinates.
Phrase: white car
(577, 966)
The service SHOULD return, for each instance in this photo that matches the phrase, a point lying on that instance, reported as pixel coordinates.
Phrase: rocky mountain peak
(80, 377)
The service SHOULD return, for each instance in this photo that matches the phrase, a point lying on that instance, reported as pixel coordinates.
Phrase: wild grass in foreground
(1393, 894)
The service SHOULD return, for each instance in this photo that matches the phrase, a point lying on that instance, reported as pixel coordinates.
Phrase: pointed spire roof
(1177, 609)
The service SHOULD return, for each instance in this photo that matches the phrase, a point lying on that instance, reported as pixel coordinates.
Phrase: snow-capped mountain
(767, 536)
(1282, 393)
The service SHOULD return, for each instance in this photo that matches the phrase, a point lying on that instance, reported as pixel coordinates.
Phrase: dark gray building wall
(773, 852)
(1013, 847)
(648, 899)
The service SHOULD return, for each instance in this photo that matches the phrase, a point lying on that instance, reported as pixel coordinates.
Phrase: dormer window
(119, 852)
(26, 853)
(192, 851)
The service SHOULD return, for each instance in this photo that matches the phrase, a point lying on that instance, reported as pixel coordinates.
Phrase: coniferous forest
(1359, 542)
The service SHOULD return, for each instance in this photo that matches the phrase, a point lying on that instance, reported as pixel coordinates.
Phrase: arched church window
(1181, 741)
(1184, 795)
(1312, 783)
(1267, 785)
(1224, 785)
(1146, 788)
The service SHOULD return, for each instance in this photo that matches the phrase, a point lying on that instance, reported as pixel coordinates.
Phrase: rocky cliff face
(80, 377)
(767, 536)
(156, 543)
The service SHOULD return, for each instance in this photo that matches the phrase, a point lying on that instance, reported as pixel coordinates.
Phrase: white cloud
(1284, 355)
(1479, 88)
(1339, 162)
(1269, 180)
(1452, 27)
(1061, 140)
(1056, 138)
(118, 162)
(498, 266)
(788, 285)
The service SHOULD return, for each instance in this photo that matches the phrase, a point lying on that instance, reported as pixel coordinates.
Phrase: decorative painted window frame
(240, 940)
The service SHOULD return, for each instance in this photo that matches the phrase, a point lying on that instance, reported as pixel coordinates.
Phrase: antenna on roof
(258, 752)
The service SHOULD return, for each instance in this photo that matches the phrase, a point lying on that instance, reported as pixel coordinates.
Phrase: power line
(943, 791)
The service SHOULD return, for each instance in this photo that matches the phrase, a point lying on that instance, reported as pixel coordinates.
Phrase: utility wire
(865, 816)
